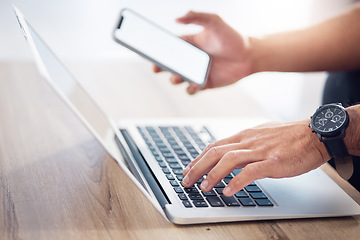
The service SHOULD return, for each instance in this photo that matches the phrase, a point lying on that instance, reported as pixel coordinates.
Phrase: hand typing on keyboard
(174, 147)
(273, 150)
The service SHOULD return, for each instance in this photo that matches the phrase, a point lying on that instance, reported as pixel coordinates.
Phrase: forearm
(352, 137)
(329, 46)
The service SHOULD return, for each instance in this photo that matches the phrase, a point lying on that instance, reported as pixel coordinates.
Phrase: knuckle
(274, 158)
(209, 146)
(215, 151)
(216, 17)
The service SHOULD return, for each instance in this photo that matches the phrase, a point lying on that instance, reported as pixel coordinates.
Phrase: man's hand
(229, 51)
(274, 150)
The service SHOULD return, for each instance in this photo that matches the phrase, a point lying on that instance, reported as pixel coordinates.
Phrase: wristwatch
(329, 122)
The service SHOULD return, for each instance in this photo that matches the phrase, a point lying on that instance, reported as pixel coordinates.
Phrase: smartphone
(161, 47)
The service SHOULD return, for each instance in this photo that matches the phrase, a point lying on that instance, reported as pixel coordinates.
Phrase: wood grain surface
(57, 182)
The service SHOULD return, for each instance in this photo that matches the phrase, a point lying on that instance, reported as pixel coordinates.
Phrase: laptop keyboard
(175, 147)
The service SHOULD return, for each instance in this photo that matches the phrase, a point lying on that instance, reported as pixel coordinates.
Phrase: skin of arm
(332, 45)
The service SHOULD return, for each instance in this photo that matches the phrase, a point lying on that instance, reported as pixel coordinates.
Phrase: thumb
(193, 89)
(202, 19)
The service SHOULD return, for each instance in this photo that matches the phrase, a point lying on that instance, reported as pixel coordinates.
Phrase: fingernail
(204, 185)
(191, 91)
(227, 191)
(186, 181)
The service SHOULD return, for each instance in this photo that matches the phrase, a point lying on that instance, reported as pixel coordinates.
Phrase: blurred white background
(79, 31)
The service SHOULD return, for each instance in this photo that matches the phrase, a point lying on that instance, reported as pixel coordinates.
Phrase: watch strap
(335, 146)
(344, 167)
(337, 150)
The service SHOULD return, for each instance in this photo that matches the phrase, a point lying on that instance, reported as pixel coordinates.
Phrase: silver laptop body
(310, 195)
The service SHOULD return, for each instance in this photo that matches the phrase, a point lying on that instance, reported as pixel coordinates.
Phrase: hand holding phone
(164, 49)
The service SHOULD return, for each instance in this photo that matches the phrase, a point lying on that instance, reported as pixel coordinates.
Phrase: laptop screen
(67, 86)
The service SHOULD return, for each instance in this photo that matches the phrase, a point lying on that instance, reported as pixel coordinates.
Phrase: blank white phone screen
(163, 48)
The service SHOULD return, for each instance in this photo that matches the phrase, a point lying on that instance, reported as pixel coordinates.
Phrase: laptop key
(186, 162)
(174, 183)
(247, 202)
(179, 151)
(162, 165)
(178, 190)
(264, 202)
(164, 150)
(227, 180)
(200, 203)
(196, 196)
(191, 190)
(182, 196)
(167, 154)
(219, 190)
(180, 177)
(215, 201)
(241, 194)
(171, 160)
(209, 194)
(219, 185)
(178, 171)
(230, 201)
(183, 157)
(162, 146)
(187, 204)
(170, 177)
(177, 148)
(253, 189)
(166, 170)
(175, 166)
(258, 195)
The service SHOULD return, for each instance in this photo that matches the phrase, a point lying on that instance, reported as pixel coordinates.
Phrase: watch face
(329, 119)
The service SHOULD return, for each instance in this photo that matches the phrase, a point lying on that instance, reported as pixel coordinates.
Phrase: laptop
(154, 152)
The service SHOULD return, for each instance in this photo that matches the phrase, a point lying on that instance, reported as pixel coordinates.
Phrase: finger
(207, 162)
(156, 69)
(202, 19)
(225, 141)
(193, 88)
(230, 161)
(249, 174)
(176, 79)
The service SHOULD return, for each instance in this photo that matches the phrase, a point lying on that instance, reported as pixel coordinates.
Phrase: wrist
(315, 142)
(255, 53)
(266, 54)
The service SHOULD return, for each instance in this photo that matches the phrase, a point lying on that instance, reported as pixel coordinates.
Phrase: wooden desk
(57, 182)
